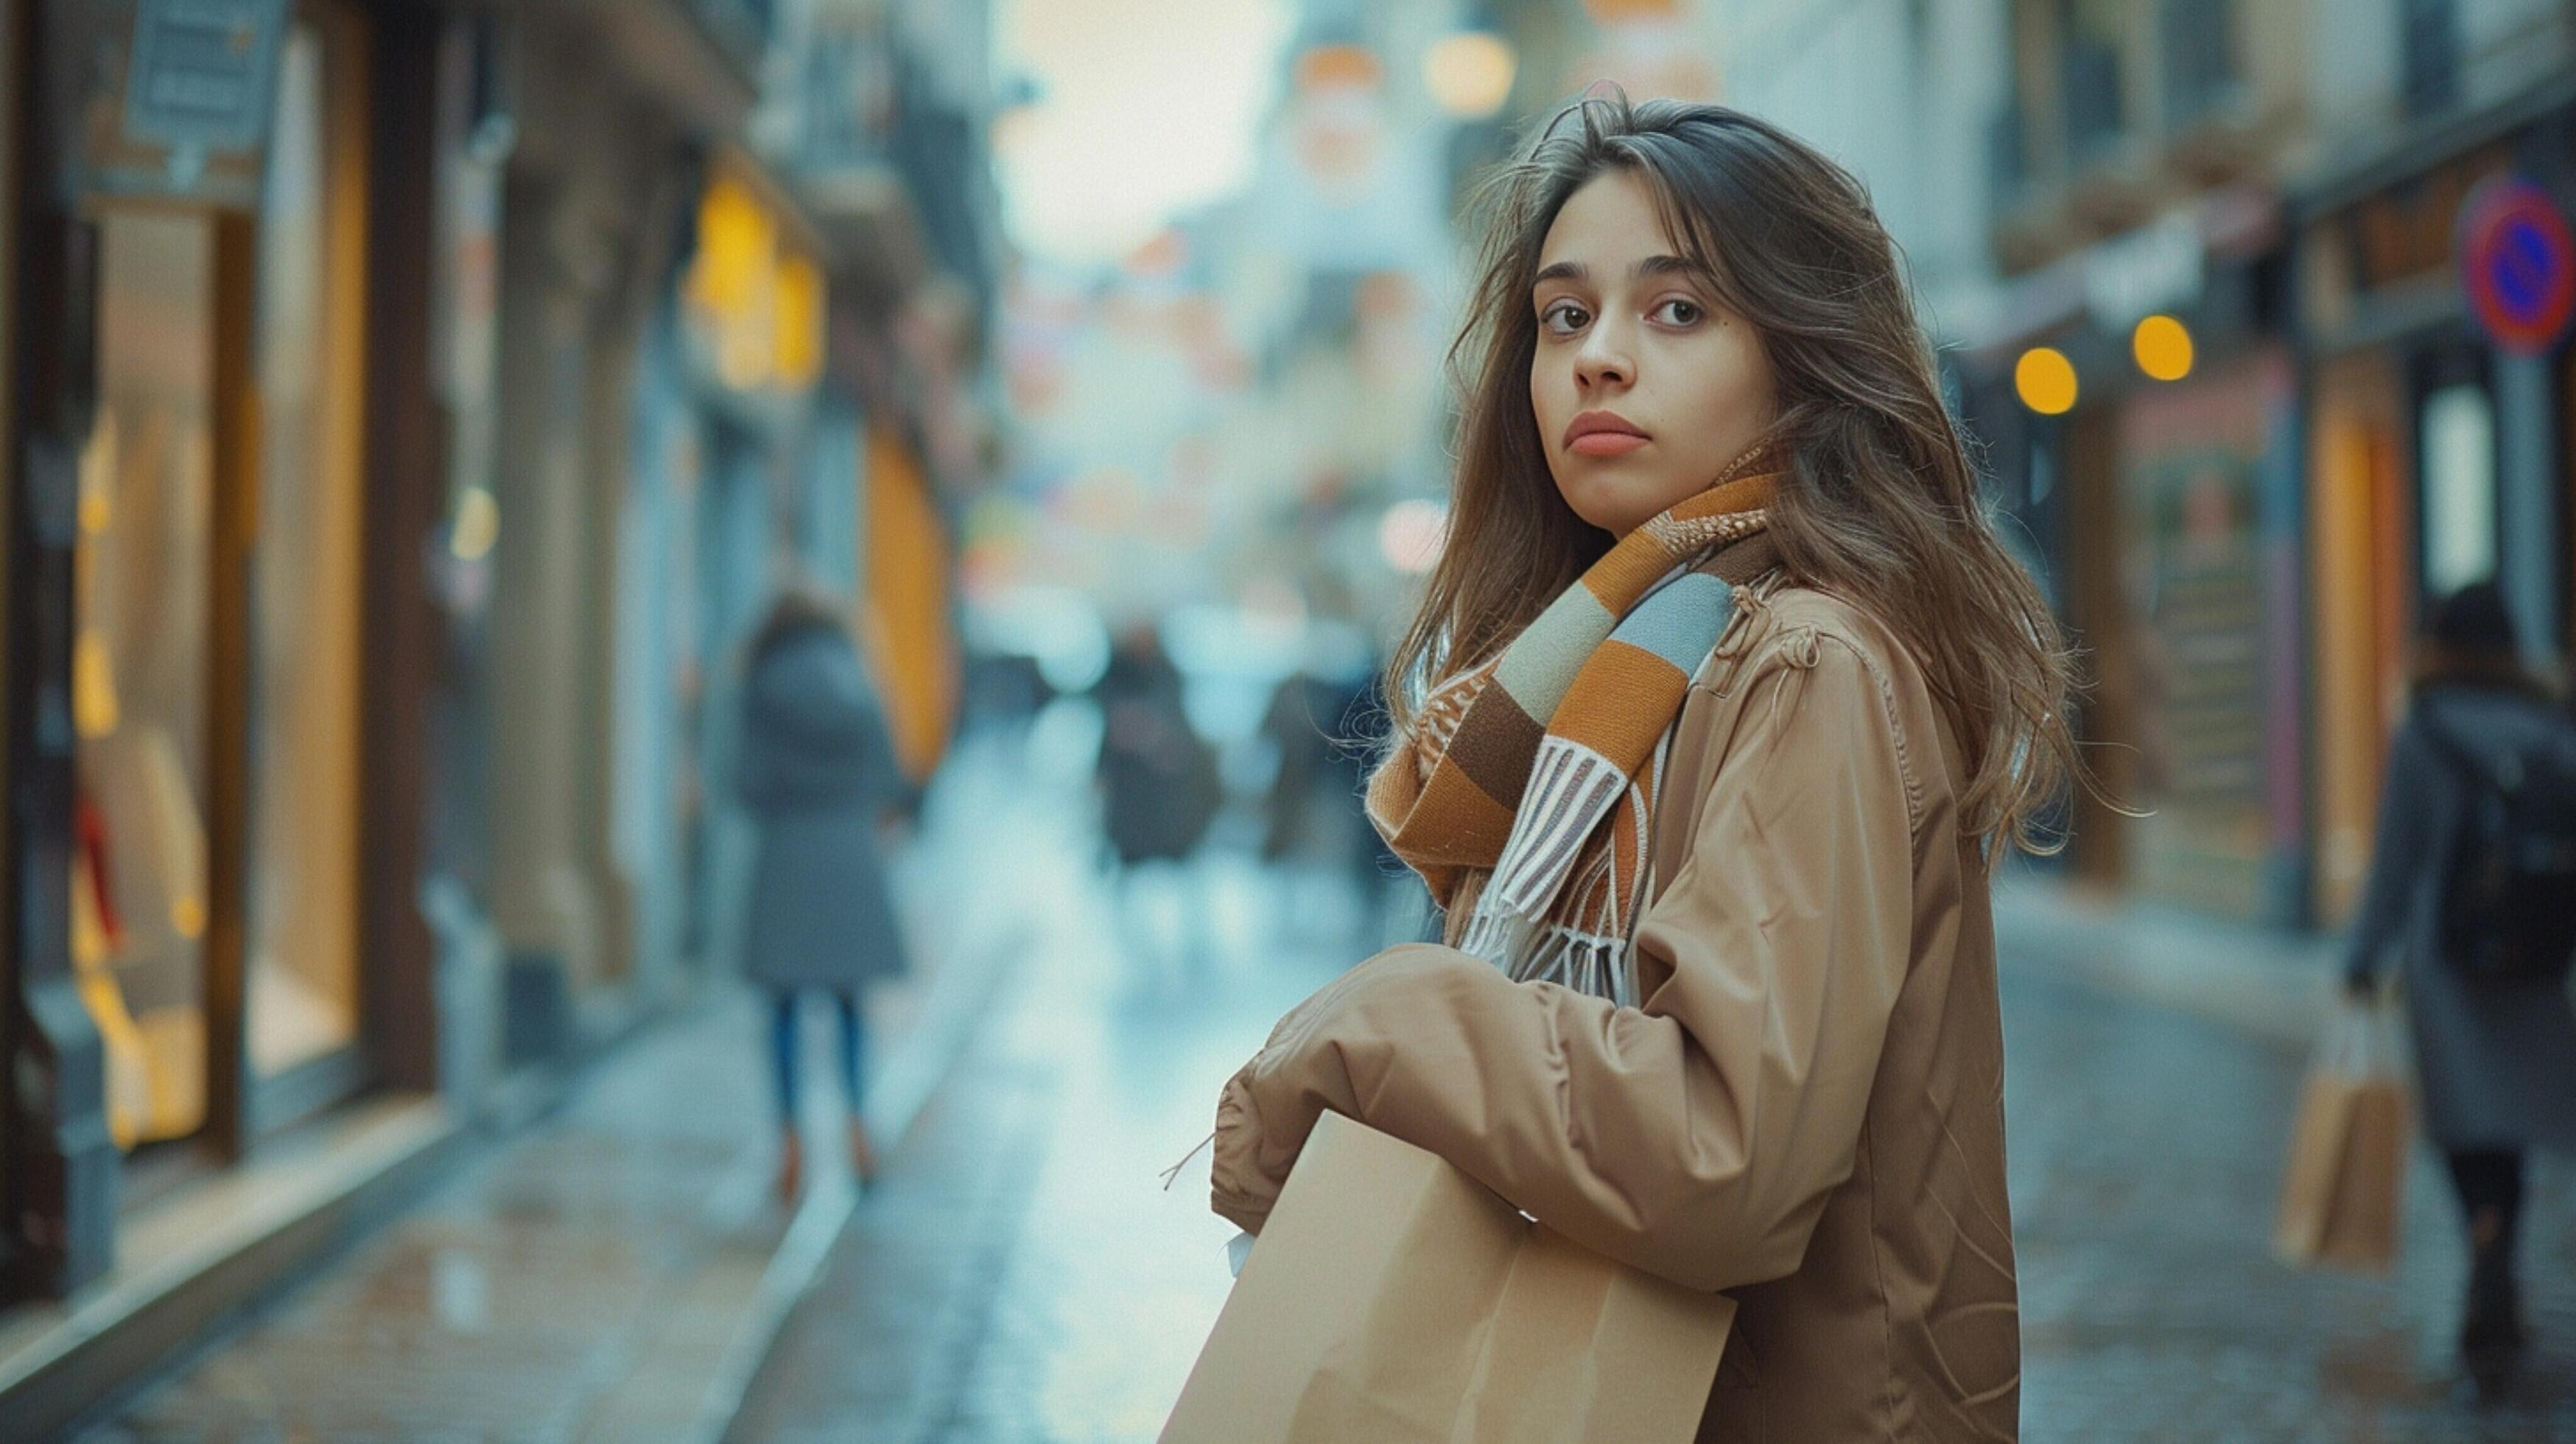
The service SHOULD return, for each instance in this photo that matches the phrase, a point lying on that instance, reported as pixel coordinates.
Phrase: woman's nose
(1604, 359)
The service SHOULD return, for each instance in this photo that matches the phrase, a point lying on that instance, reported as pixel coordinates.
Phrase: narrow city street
(579, 576)
(1023, 1273)
(617, 1268)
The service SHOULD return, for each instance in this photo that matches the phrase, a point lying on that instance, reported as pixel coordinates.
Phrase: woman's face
(1645, 388)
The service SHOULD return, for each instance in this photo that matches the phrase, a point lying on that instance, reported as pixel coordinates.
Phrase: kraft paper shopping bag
(2345, 1182)
(1393, 1297)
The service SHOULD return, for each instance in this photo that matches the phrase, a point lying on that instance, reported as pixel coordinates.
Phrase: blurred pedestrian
(2481, 773)
(1721, 701)
(1159, 790)
(819, 775)
(1327, 722)
(1301, 724)
(1158, 777)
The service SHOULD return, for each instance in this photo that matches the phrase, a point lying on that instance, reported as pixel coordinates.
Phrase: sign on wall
(2517, 264)
(200, 73)
(177, 97)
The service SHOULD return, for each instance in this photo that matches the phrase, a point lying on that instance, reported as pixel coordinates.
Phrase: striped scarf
(1523, 790)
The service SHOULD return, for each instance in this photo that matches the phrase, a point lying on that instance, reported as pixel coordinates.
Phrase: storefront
(194, 567)
(215, 656)
(600, 184)
(2436, 456)
(2207, 670)
(731, 477)
(2139, 423)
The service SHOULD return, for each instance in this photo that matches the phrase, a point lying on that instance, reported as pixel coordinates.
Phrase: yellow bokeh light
(94, 709)
(2163, 348)
(737, 249)
(2045, 381)
(1470, 74)
(800, 321)
(476, 527)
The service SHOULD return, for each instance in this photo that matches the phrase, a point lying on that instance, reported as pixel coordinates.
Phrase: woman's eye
(1679, 312)
(1564, 318)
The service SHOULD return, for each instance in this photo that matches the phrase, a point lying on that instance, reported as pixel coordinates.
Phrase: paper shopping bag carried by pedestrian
(2346, 1179)
(1392, 1297)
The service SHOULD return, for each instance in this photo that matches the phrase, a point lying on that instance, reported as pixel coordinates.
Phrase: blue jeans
(783, 1046)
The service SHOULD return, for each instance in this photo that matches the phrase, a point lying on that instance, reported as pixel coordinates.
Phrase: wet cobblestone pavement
(527, 1297)
(1025, 1277)
(1022, 1274)
(605, 1273)
(2145, 1167)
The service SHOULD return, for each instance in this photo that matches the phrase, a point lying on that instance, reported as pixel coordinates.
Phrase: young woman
(819, 775)
(2495, 1057)
(1720, 704)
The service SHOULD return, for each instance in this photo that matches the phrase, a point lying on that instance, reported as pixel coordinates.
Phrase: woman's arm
(1697, 1137)
(2399, 853)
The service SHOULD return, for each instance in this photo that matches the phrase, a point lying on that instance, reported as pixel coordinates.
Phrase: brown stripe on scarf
(1496, 755)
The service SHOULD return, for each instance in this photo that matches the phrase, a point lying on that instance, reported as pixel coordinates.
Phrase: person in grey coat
(2495, 1059)
(819, 776)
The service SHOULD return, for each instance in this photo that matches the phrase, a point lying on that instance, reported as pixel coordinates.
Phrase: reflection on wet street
(1025, 1275)
(1022, 1272)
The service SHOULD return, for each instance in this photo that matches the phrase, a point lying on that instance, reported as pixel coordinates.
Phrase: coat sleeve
(2408, 804)
(1696, 1137)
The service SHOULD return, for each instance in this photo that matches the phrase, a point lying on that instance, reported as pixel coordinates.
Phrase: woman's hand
(1240, 1192)
(1250, 1162)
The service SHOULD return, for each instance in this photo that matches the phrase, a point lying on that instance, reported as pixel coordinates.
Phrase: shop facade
(594, 207)
(199, 553)
(2140, 414)
(2245, 546)
(400, 438)
(2437, 454)
(321, 419)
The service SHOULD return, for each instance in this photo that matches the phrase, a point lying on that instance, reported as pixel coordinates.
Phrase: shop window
(142, 563)
(2428, 55)
(158, 688)
(2192, 658)
(2459, 488)
(302, 912)
(2363, 549)
(2091, 85)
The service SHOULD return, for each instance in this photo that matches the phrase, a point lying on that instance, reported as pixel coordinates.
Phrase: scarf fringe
(1583, 962)
(1579, 787)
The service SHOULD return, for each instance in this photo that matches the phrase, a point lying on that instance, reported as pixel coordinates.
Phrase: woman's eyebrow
(1650, 266)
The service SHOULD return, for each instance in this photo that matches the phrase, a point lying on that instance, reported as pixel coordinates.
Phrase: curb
(294, 1213)
(2274, 984)
(958, 1003)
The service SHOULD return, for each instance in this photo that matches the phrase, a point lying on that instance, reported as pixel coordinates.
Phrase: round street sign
(2518, 264)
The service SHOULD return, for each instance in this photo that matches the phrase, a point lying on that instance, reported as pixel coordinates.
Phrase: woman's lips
(1605, 443)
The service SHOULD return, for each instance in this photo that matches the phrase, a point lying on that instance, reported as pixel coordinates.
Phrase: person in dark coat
(819, 775)
(2495, 1059)
(1158, 777)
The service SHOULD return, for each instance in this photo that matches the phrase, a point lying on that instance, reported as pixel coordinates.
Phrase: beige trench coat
(1806, 1113)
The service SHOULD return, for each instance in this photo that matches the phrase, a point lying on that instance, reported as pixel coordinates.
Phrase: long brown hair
(1879, 501)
